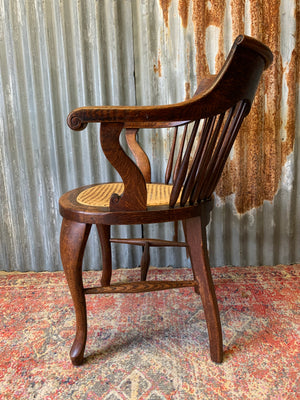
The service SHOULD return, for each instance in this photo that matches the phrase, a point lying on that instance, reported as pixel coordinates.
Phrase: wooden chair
(210, 122)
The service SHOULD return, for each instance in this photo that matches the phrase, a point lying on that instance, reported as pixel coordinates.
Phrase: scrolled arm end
(74, 122)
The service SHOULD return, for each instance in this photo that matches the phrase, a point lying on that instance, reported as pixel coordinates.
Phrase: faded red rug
(152, 346)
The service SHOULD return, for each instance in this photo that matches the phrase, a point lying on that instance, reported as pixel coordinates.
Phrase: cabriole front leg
(73, 240)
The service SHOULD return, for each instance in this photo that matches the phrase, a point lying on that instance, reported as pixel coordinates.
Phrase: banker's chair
(210, 121)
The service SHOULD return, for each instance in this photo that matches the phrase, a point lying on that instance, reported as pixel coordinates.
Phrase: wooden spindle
(180, 153)
(184, 167)
(190, 181)
(199, 180)
(228, 142)
(208, 179)
(171, 158)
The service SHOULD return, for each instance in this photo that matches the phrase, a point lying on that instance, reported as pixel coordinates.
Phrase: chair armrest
(130, 116)
(140, 116)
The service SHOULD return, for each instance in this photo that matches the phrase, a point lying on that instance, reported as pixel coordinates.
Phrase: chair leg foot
(78, 347)
(195, 230)
(73, 239)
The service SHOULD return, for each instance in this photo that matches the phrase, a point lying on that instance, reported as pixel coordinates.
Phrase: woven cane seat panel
(99, 195)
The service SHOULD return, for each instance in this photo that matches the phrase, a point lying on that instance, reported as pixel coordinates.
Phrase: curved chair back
(206, 143)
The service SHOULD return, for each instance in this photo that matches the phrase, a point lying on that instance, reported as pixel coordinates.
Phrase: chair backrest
(203, 149)
(198, 155)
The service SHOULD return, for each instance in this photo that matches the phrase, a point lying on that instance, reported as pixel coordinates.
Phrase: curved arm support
(134, 196)
(140, 156)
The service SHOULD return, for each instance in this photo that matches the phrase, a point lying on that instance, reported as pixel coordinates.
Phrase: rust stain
(253, 174)
(165, 4)
(157, 68)
(183, 10)
(206, 13)
(237, 13)
(187, 90)
(292, 77)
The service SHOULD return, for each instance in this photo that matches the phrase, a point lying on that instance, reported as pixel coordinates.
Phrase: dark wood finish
(207, 125)
(135, 193)
(104, 236)
(150, 241)
(145, 261)
(73, 239)
(139, 287)
(200, 264)
(179, 157)
(171, 158)
(142, 160)
(181, 176)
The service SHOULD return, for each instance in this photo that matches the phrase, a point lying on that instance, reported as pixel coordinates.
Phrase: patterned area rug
(152, 346)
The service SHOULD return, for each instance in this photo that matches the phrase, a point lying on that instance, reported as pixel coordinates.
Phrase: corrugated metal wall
(58, 55)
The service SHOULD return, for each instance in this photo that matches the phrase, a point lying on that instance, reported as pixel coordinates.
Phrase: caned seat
(99, 195)
(205, 128)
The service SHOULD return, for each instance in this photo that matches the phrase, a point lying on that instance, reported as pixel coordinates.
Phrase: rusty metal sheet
(252, 197)
(57, 55)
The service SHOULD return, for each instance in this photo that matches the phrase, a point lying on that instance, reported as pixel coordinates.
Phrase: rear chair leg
(104, 236)
(145, 262)
(195, 233)
(73, 239)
